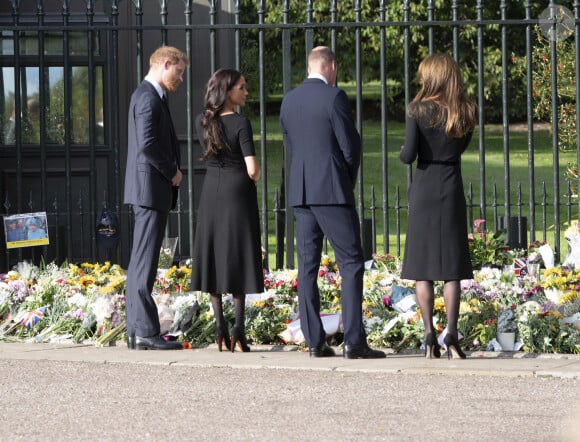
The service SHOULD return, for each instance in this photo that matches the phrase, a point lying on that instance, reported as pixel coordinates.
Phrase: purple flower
(18, 289)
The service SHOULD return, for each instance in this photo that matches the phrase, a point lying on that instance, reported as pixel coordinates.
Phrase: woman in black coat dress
(439, 125)
(227, 254)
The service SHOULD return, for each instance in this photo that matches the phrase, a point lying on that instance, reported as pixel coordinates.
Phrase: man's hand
(176, 180)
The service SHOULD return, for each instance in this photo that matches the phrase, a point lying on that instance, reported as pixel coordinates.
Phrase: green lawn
(396, 176)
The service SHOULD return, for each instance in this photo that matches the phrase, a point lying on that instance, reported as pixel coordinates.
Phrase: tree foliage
(542, 86)
(400, 39)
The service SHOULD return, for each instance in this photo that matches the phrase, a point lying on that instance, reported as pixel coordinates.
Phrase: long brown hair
(216, 95)
(442, 86)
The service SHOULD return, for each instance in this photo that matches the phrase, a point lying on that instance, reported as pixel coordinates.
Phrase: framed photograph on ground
(25, 230)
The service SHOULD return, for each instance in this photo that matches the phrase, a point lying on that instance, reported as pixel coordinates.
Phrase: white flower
(370, 322)
(78, 299)
(102, 308)
(528, 308)
(487, 274)
(27, 270)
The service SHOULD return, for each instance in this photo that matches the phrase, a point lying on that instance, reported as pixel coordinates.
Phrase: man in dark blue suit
(325, 154)
(151, 183)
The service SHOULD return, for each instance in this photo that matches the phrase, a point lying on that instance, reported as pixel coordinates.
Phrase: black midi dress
(227, 254)
(436, 246)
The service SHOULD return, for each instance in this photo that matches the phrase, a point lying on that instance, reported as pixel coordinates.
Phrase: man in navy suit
(151, 183)
(325, 154)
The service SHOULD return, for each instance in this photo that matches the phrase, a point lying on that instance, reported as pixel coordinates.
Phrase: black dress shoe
(131, 342)
(322, 351)
(362, 352)
(155, 343)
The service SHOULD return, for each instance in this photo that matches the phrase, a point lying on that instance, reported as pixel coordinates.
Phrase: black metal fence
(68, 69)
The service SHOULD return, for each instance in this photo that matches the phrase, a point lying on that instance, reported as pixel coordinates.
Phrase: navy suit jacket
(323, 143)
(153, 154)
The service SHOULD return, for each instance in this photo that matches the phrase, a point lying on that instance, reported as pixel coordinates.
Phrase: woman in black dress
(227, 255)
(439, 125)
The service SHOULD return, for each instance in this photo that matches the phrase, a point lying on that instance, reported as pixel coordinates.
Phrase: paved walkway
(287, 357)
(80, 392)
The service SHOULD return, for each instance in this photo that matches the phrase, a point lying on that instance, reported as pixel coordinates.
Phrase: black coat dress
(227, 253)
(436, 246)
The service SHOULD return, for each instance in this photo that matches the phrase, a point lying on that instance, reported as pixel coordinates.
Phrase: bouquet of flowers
(167, 252)
(506, 322)
(488, 248)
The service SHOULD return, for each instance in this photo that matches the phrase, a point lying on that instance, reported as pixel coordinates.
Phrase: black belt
(445, 163)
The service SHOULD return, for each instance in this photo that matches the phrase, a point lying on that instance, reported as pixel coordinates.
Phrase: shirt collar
(317, 75)
(156, 85)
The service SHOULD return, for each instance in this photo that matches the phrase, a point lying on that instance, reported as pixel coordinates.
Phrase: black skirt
(227, 254)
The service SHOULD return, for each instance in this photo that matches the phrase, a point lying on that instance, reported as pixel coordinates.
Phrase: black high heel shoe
(222, 337)
(238, 337)
(453, 348)
(432, 349)
(223, 340)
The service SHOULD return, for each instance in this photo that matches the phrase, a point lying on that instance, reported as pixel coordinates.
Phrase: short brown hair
(321, 54)
(168, 53)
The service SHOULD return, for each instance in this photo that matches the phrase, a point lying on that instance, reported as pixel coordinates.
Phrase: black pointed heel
(453, 348)
(239, 338)
(432, 349)
(223, 340)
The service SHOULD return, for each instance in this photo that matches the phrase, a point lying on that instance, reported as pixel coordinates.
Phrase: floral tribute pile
(85, 302)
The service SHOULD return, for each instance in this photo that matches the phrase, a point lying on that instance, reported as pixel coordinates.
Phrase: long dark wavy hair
(216, 95)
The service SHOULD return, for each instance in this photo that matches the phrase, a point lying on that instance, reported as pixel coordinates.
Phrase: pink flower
(479, 225)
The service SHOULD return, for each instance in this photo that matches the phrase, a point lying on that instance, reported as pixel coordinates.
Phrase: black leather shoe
(322, 351)
(155, 343)
(362, 352)
(131, 342)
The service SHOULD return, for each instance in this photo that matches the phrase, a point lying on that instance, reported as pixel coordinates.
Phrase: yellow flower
(170, 271)
(113, 285)
(185, 270)
(87, 266)
(464, 307)
(439, 304)
(569, 296)
(102, 269)
(12, 275)
(86, 281)
(75, 270)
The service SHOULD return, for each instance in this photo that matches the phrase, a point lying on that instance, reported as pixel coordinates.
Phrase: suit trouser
(141, 311)
(340, 224)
